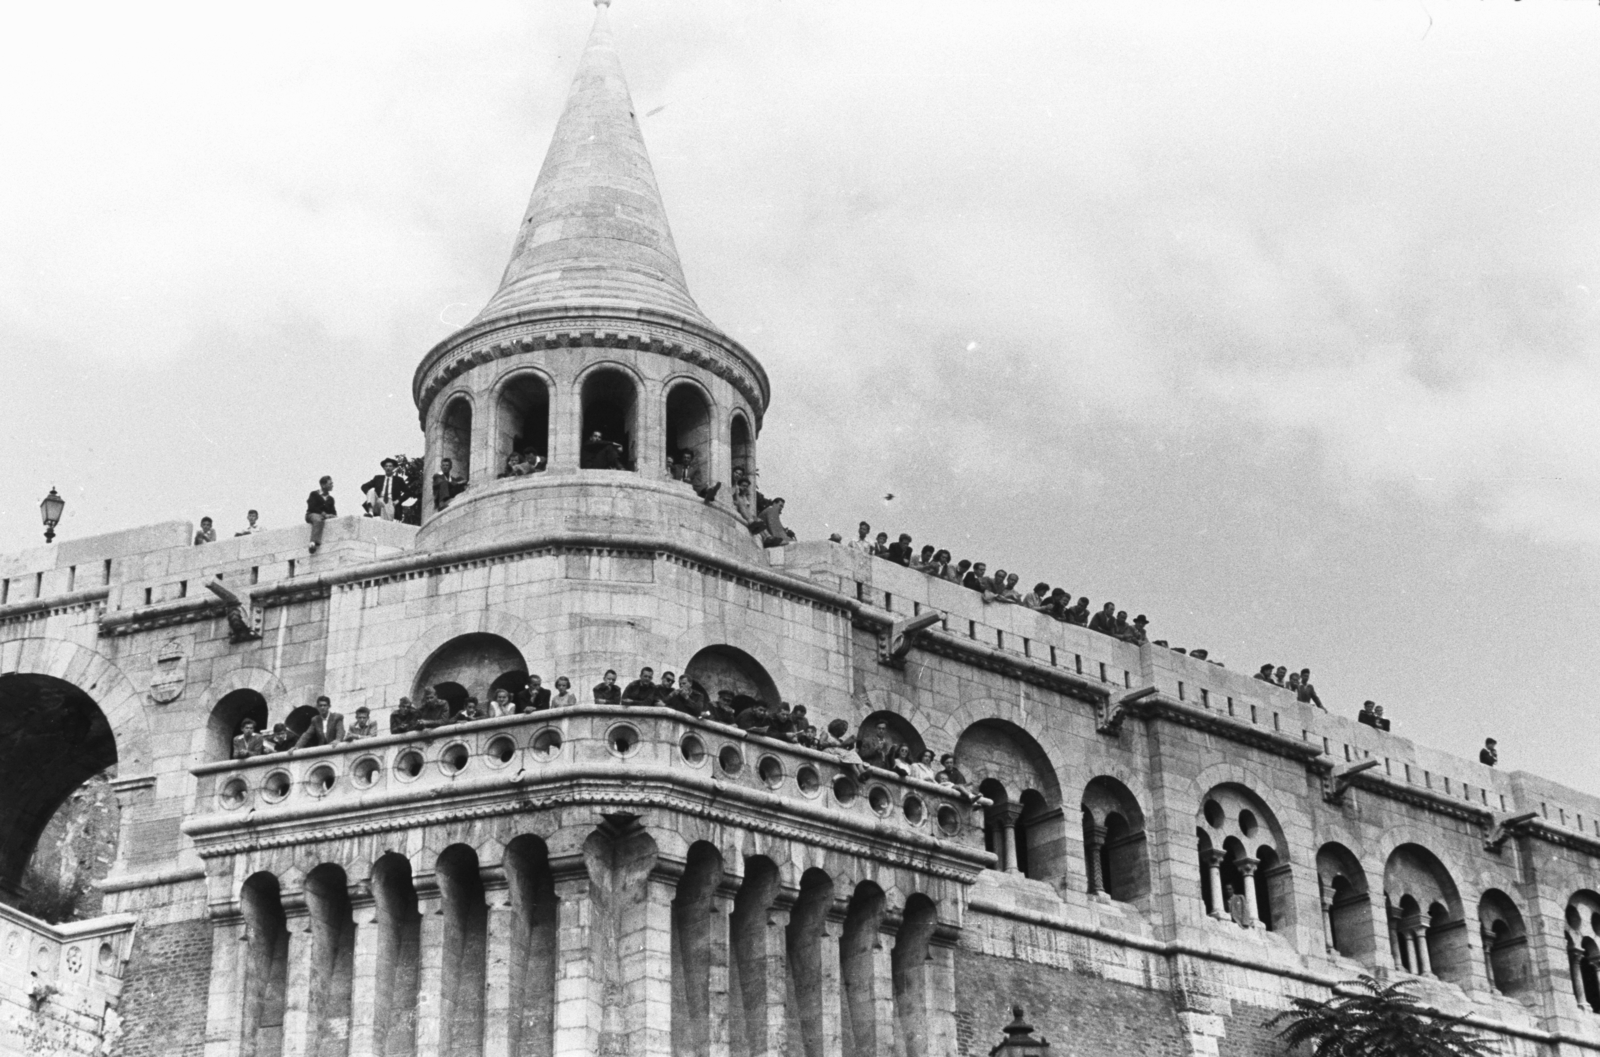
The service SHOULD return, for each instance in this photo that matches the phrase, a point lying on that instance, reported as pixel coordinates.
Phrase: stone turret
(592, 331)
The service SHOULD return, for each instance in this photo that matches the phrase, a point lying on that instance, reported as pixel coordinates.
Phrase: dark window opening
(610, 427)
(689, 434)
(522, 434)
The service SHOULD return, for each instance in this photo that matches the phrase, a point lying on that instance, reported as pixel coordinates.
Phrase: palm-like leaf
(1369, 1020)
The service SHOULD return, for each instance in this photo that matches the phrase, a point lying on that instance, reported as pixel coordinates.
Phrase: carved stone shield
(171, 672)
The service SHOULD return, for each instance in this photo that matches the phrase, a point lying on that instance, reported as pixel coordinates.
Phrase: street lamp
(50, 510)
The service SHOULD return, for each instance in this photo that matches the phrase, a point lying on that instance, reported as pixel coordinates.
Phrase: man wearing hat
(385, 492)
(1138, 628)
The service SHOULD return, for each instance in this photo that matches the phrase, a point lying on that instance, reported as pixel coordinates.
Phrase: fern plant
(1375, 1021)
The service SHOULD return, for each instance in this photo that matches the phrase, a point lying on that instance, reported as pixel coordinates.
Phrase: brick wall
(168, 979)
(1080, 1015)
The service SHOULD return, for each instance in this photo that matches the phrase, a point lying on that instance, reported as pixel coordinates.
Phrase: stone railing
(582, 744)
(60, 984)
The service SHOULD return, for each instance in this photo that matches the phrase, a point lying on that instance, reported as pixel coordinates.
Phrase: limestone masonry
(1173, 851)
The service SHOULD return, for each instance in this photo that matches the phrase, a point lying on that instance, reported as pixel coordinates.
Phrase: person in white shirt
(863, 543)
(250, 528)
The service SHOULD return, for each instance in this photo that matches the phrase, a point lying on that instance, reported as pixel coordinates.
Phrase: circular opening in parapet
(1214, 816)
(275, 786)
(1574, 919)
(500, 750)
(809, 781)
(453, 760)
(916, 811)
(547, 743)
(730, 759)
(321, 779)
(235, 791)
(1247, 822)
(771, 770)
(623, 740)
(949, 821)
(879, 798)
(365, 772)
(409, 765)
(693, 749)
(844, 789)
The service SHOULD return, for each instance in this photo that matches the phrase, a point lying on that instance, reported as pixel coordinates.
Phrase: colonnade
(616, 949)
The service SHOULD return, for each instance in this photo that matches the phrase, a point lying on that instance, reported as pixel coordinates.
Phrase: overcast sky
(1275, 321)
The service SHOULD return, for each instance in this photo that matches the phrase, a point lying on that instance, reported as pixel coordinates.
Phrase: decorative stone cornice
(53, 606)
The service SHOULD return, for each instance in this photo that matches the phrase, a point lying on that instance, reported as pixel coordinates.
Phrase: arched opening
(474, 664)
(53, 740)
(692, 954)
(862, 988)
(1428, 932)
(995, 817)
(226, 718)
(756, 980)
(689, 433)
(299, 719)
(455, 444)
(266, 966)
(912, 969)
(1115, 856)
(522, 426)
(1583, 948)
(897, 728)
(1505, 944)
(333, 938)
(610, 427)
(466, 916)
(804, 945)
(742, 448)
(997, 751)
(535, 946)
(399, 931)
(1253, 888)
(719, 668)
(1346, 905)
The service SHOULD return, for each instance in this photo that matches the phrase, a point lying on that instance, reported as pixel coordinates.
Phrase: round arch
(522, 399)
(453, 434)
(609, 397)
(231, 710)
(723, 667)
(1247, 860)
(1428, 929)
(1505, 944)
(473, 662)
(1346, 903)
(741, 445)
(1027, 821)
(1116, 856)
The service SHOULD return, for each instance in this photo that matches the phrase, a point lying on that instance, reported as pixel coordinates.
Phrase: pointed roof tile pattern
(595, 231)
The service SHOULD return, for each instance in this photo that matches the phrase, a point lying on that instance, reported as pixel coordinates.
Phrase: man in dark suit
(325, 728)
(536, 698)
(319, 508)
(385, 492)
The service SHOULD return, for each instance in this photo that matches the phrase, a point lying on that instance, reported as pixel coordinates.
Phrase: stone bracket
(1111, 712)
(1504, 827)
(895, 642)
(1336, 782)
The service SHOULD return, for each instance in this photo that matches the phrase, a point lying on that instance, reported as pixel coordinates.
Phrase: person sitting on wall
(363, 727)
(1489, 754)
(769, 525)
(939, 565)
(1278, 676)
(326, 727)
(975, 580)
(1105, 621)
(1120, 628)
(838, 740)
(951, 775)
(1138, 632)
(1265, 674)
(207, 533)
(1079, 614)
(686, 468)
(434, 712)
(598, 453)
(1037, 598)
(385, 492)
(801, 732)
(876, 746)
(446, 485)
(900, 550)
(563, 697)
(862, 544)
(320, 507)
(280, 740)
(642, 691)
(403, 720)
(921, 561)
(1308, 693)
(606, 691)
(1370, 715)
(1006, 590)
(880, 545)
(247, 742)
(250, 526)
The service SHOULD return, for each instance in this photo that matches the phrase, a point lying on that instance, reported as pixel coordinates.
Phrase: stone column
(832, 984)
(1094, 840)
(646, 954)
(579, 989)
(430, 975)
(500, 1035)
(230, 940)
(364, 974)
(1213, 865)
(942, 1040)
(297, 1005)
(776, 977)
(1252, 909)
(1008, 823)
(883, 982)
(1574, 970)
(1419, 940)
(717, 927)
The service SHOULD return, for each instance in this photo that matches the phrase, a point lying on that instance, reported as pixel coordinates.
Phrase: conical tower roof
(595, 231)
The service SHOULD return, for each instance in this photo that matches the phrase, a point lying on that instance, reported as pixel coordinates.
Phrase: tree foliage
(1368, 1020)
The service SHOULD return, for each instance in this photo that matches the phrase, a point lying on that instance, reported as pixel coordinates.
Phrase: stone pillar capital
(1247, 865)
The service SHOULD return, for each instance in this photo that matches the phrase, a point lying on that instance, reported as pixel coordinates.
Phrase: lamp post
(50, 511)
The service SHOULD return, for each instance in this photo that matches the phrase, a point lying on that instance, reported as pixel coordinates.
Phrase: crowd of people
(1297, 682)
(875, 748)
(1001, 587)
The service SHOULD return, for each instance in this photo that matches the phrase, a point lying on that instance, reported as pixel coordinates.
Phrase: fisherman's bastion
(1166, 852)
